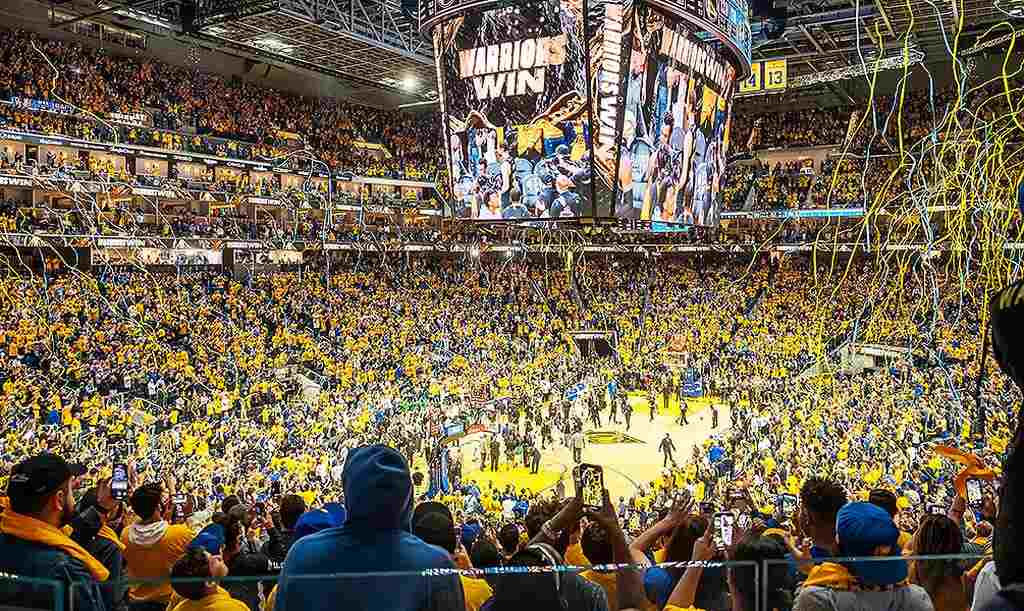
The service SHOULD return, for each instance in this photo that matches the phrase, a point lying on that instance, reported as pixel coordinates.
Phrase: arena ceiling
(830, 38)
(376, 49)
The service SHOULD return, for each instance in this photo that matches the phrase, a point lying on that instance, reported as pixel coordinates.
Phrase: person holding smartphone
(153, 545)
(106, 546)
(33, 544)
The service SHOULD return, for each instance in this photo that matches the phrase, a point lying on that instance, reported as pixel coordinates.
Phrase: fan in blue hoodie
(376, 537)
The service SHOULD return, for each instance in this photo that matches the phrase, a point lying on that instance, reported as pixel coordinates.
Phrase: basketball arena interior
(596, 305)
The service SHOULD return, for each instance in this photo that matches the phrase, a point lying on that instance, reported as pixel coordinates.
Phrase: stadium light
(410, 83)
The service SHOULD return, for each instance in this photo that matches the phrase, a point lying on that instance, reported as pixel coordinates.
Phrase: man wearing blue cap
(203, 558)
(863, 530)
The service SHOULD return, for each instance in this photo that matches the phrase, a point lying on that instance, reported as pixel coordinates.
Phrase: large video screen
(675, 127)
(514, 89)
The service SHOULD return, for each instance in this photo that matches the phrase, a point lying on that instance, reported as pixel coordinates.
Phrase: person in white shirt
(578, 441)
(986, 586)
(507, 507)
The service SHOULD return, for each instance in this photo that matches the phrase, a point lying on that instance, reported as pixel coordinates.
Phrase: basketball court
(630, 458)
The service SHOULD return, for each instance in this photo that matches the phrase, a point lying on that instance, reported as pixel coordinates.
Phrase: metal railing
(759, 585)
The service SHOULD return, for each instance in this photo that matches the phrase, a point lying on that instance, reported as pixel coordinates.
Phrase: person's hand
(133, 476)
(796, 527)
(680, 509)
(704, 547)
(569, 514)
(799, 549)
(104, 497)
(989, 508)
(461, 558)
(959, 504)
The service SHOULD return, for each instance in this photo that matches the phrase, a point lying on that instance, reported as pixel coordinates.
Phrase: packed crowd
(192, 425)
(202, 113)
(205, 113)
(192, 381)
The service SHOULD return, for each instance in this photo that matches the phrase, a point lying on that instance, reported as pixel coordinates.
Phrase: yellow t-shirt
(904, 540)
(607, 583)
(574, 556)
(476, 592)
(155, 562)
(218, 601)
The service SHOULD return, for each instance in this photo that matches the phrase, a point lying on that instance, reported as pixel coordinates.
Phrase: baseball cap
(470, 532)
(314, 521)
(337, 511)
(39, 476)
(210, 538)
(865, 529)
(433, 523)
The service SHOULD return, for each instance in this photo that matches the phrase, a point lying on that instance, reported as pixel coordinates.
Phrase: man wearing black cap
(105, 546)
(433, 523)
(32, 543)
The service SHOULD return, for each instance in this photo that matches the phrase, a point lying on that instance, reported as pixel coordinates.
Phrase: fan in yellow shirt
(152, 545)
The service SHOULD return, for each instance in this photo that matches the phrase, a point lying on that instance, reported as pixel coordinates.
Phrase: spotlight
(410, 83)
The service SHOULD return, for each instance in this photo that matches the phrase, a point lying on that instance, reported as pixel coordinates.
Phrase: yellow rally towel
(974, 467)
(31, 529)
(830, 575)
(108, 533)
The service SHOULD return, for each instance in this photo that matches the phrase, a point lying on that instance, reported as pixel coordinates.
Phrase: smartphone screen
(723, 522)
(787, 504)
(275, 487)
(179, 502)
(590, 486)
(974, 493)
(119, 481)
(707, 508)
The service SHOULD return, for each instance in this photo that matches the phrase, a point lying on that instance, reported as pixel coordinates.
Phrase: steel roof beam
(360, 23)
(880, 4)
(810, 37)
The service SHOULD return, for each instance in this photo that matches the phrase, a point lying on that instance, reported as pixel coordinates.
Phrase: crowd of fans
(203, 113)
(190, 379)
(195, 427)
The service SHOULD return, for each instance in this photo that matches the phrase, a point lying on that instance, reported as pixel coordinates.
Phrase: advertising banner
(135, 119)
(42, 106)
(15, 181)
(143, 257)
(514, 91)
(279, 257)
(675, 132)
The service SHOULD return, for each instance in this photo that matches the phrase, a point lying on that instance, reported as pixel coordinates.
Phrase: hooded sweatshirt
(376, 537)
(150, 551)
